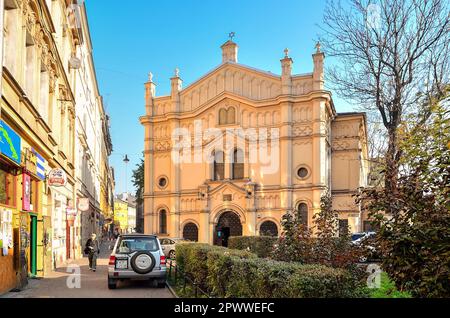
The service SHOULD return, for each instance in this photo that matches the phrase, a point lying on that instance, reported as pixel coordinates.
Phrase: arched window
(238, 164)
(219, 165)
(227, 117)
(190, 232)
(231, 116)
(223, 116)
(302, 211)
(268, 228)
(163, 222)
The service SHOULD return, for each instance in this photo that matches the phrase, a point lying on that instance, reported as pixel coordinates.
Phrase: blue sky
(132, 38)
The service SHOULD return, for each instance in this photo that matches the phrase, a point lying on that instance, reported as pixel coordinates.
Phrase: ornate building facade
(234, 151)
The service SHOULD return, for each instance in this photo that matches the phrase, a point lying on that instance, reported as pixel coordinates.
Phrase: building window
(11, 37)
(302, 211)
(268, 228)
(30, 66)
(227, 116)
(343, 228)
(190, 232)
(44, 94)
(303, 172)
(7, 188)
(163, 222)
(238, 164)
(162, 182)
(219, 165)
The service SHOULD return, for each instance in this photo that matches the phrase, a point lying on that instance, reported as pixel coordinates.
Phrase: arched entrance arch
(228, 224)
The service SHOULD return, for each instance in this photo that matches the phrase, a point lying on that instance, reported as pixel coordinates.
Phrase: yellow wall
(121, 214)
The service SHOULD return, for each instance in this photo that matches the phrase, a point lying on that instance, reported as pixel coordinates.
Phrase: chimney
(286, 73)
(318, 74)
(176, 87)
(150, 93)
(229, 52)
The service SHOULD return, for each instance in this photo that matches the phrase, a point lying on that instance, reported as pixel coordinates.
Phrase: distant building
(125, 213)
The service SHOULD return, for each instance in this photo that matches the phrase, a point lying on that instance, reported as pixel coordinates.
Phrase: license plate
(122, 264)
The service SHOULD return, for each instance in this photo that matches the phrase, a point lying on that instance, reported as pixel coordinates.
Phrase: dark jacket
(92, 246)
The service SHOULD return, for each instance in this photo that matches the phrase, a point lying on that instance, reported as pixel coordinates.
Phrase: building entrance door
(229, 224)
(33, 245)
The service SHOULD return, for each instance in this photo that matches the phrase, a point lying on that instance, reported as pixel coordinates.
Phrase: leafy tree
(298, 244)
(138, 181)
(415, 241)
(387, 52)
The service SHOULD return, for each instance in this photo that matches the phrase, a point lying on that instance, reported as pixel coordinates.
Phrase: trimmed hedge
(260, 245)
(192, 259)
(237, 274)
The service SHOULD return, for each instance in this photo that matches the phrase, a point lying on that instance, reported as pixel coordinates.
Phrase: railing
(176, 275)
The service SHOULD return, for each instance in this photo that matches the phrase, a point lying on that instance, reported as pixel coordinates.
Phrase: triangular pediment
(227, 187)
(229, 78)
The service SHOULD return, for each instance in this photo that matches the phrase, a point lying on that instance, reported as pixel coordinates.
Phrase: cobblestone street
(92, 284)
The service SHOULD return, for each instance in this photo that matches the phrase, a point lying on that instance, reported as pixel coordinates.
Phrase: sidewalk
(92, 284)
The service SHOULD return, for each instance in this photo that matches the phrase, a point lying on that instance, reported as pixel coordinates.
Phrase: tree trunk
(391, 170)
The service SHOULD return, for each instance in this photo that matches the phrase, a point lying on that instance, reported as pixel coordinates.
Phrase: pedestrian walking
(92, 250)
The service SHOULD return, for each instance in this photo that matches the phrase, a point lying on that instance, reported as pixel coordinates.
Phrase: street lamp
(126, 160)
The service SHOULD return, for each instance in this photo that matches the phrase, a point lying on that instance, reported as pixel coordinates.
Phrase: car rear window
(129, 245)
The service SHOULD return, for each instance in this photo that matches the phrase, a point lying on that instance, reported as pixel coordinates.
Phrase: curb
(172, 291)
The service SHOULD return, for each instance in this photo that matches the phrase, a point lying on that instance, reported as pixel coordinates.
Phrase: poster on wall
(26, 193)
(6, 231)
(10, 143)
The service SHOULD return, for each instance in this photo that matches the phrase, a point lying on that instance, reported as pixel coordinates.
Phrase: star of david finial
(318, 47)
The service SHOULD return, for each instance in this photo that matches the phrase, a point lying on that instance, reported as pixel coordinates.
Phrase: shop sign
(10, 143)
(57, 178)
(40, 165)
(6, 231)
(83, 204)
(26, 197)
(71, 212)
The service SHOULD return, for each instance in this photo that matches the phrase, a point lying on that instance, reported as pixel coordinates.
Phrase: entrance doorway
(229, 224)
(33, 245)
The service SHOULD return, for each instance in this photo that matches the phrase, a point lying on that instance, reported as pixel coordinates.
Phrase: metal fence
(176, 275)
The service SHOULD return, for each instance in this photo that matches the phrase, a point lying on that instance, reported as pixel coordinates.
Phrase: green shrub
(219, 264)
(237, 274)
(193, 260)
(263, 278)
(260, 245)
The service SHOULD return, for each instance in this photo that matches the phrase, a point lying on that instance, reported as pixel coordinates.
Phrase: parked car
(366, 240)
(169, 244)
(137, 257)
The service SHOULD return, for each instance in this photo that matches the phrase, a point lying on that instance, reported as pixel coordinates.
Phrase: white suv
(137, 257)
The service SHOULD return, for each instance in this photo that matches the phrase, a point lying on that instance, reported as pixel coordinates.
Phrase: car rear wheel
(112, 283)
(143, 262)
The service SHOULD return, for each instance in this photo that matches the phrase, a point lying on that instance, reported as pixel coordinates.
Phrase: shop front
(10, 185)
